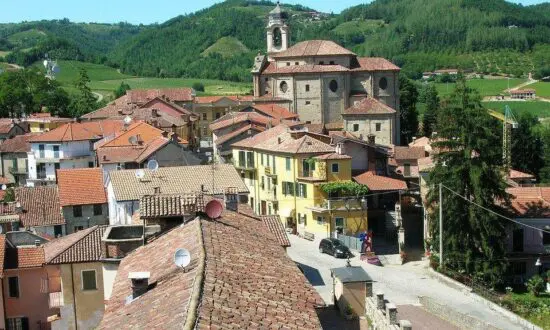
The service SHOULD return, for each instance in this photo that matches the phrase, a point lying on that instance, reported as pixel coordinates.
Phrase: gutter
(198, 284)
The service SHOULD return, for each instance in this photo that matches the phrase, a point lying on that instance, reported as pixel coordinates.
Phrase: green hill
(227, 47)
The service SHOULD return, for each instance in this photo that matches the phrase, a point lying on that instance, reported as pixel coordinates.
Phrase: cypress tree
(432, 107)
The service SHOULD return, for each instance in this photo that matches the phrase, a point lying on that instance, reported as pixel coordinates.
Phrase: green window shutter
(304, 190)
(288, 163)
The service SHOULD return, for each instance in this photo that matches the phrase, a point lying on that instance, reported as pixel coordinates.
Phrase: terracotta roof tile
(140, 96)
(379, 183)
(40, 206)
(24, 257)
(367, 106)
(275, 226)
(218, 98)
(274, 111)
(409, 153)
(82, 246)
(314, 48)
(154, 206)
(374, 64)
(45, 117)
(530, 202)
(81, 186)
(306, 68)
(17, 144)
(515, 174)
(233, 118)
(224, 138)
(333, 156)
(87, 130)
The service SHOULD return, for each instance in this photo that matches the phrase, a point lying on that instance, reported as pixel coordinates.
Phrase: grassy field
(486, 87)
(538, 108)
(226, 46)
(542, 88)
(4, 53)
(27, 38)
(534, 309)
(70, 71)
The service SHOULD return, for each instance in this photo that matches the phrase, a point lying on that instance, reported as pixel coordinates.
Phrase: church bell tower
(277, 31)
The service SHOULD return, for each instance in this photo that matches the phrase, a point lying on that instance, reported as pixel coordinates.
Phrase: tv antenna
(182, 258)
(140, 174)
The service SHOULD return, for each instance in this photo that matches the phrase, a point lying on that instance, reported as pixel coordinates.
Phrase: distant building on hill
(523, 94)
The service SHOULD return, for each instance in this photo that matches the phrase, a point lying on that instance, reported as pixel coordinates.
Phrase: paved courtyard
(401, 284)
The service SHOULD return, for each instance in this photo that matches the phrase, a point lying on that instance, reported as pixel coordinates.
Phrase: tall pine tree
(408, 97)
(85, 100)
(469, 162)
(527, 148)
(431, 98)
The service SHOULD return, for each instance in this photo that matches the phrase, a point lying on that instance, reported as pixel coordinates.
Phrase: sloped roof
(379, 183)
(239, 276)
(140, 129)
(374, 64)
(274, 111)
(40, 206)
(24, 257)
(314, 48)
(333, 156)
(515, 174)
(233, 118)
(176, 180)
(46, 117)
(75, 131)
(140, 96)
(82, 246)
(129, 154)
(153, 206)
(218, 98)
(530, 202)
(369, 106)
(409, 153)
(272, 68)
(116, 108)
(81, 186)
(224, 138)
(17, 144)
(275, 226)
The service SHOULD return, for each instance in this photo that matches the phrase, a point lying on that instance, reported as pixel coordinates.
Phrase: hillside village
(317, 201)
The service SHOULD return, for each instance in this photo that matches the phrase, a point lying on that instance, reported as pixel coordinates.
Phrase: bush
(536, 285)
(199, 87)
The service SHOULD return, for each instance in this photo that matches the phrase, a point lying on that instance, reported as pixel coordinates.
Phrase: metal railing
(56, 300)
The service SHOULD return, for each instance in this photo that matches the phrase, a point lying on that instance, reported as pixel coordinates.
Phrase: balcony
(271, 195)
(245, 166)
(56, 300)
(339, 205)
(18, 170)
(58, 158)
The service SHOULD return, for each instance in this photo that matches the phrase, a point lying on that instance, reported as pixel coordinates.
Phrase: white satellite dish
(140, 174)
(133, 140)
(127, 120)
(182, 258)
(45, 63)
(4, 187)
(153, 165)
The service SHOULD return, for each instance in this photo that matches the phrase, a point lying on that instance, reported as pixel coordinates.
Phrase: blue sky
(136, 11)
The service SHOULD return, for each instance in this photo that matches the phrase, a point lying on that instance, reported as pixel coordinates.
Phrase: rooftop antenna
(182, 258)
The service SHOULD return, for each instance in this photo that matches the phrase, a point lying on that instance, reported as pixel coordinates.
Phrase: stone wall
(449, 314)
(381, 313)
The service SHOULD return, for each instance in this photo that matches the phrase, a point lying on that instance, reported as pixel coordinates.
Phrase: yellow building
(285, 171)
(44, 122)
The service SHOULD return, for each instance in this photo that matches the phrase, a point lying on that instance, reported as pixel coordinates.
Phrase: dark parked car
(334, 247)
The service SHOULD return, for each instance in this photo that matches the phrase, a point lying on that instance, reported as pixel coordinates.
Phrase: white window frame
(343, 222)
(82, 279)
(337, 168)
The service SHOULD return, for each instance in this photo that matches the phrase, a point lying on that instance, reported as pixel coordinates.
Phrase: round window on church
(283, 86)
(383, 83)
(333, 85)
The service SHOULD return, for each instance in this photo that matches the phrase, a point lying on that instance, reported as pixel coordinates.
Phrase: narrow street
(401, 284)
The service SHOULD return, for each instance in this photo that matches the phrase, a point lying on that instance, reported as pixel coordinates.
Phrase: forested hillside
(489, 36)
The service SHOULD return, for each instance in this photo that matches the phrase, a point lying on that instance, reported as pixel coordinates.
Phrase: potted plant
(348, 312)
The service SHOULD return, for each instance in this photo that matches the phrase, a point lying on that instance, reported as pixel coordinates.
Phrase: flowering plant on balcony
(344, 189)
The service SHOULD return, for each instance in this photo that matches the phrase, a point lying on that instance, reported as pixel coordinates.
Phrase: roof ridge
(73, 244)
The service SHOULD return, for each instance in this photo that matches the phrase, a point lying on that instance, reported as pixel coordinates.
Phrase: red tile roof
(216, 99)
(333, 156)
(368, 106)
(233, 118)
(40, 206)
(224, 138)
(409, 153)
(45, 117)
(274, 111)
(87, 130)
(82, 246)
(379, 183)
(81, 186)
(140, 96)
(275, 226)
(530, 202)
(375, 64)
(25, 257)
(17, 144)
(130, 154)
(515, 174)
(306, 68)
(314, 48)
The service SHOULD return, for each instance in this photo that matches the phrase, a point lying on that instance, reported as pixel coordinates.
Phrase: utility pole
(441, 224)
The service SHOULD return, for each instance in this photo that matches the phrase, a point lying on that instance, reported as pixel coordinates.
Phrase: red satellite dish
(214, 209)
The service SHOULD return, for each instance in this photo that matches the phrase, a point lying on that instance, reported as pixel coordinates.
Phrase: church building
(326, 83)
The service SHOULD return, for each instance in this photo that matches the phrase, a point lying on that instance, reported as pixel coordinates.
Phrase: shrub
(536, 285)
(199, 87)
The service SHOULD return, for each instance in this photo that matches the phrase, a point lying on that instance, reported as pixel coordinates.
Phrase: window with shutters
(355, 127)
(89, 280)
(13, 287)
(17, 323)
(77, 211)
(287, 163)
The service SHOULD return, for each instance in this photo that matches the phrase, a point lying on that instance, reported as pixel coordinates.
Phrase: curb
(466, 289)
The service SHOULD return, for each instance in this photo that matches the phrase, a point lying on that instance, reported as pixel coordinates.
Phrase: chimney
(164, 134)
(120, 112)
(157, 190)
(140, 283)
(37, 242)
(154, 112)
(279, 140)
(371, 139)
(231, 199)
(340, 148)
(139, 139)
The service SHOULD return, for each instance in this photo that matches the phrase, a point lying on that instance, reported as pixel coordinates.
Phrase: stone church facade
(322, 80)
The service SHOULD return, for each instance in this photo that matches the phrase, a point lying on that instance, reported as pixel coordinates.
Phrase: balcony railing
(271, 195)
(56, 300)
(18, 170)
(340, 204)
(244, 165)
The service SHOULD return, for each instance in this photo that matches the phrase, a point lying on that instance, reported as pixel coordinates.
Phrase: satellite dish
(4, 187)
(56, 69)
(45, 63)
(132, 140)
(127, 120)
(182, 258)
(140, 174)
(214, 209)
(153, 165)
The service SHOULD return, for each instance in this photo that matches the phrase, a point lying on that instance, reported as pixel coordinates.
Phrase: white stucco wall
(109, 274)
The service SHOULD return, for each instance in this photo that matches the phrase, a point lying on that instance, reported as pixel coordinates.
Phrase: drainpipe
(74, 299)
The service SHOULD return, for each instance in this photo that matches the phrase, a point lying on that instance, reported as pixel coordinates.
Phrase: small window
(13, 287)
(331, 62)
(77, 211)
(308, 102)
(321, 63)
(517, 240)
(378, 127)
(98, 209)
(263, 183)
(262, 159)
(296, 63)
(335, 168)
(217, 115)
(266, 79)
(90, 164)
(204, 117)
(320, 220)
(204, 131)
(41, 127)
(17, 323)
(333, 86)
(355, 127)
(383, 83)
(88, 280)
(287, 162)
(78, 228)
(283, 86)
(287, 63)
(307, 88)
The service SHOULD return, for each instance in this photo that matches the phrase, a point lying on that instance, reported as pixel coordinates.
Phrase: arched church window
(333, 86)
(283, 86)
(383, 83)
(277, 38)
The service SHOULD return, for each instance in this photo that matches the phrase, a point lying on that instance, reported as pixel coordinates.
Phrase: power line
(495, 213)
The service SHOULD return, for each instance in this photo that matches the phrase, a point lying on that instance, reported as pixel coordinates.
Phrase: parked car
(334, 247)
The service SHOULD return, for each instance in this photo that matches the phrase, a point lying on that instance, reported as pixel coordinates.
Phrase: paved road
(401, 285)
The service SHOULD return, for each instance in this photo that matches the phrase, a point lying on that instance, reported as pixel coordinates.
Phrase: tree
(527, 147)
(432, 108)
(407, 105)
(544, 173)
(122, 89)
(198, 86)
(85, 100)
(469, 162)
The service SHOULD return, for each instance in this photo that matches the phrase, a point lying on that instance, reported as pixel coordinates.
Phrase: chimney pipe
(37, 242)
(371, 138)
(140, 283)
